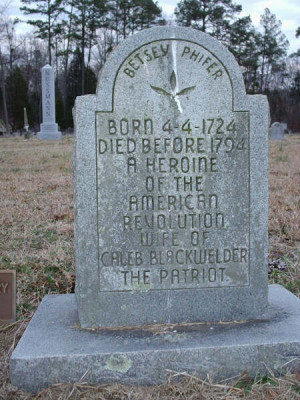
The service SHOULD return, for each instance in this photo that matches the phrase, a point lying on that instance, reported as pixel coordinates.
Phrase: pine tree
(74, 84)
(9, 52)
(46, 27)
(211, 16)
(273, 45)
(149, 14)
(295, 86)
(89, 15)
(128, 16)
(17, 97)
(243, 45)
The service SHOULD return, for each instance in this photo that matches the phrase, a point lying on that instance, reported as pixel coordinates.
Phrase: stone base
(53, 349)
(48, 136)
(49, 132)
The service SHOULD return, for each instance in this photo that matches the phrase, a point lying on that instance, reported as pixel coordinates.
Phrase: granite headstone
(170, 187)
(170, 180)
(276, 131)
(49, 129)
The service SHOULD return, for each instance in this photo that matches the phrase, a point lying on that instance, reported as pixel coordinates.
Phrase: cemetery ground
(36, 239)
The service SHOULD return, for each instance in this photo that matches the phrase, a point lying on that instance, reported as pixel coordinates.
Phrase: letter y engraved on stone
(3, 286)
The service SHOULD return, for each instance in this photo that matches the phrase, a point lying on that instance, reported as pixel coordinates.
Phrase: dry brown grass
(36, 221)
(36, 239)
(284, 211)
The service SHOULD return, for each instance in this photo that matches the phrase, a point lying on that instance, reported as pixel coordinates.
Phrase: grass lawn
(36, 239)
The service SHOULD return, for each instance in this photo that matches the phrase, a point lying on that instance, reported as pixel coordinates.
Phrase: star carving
(173, 83)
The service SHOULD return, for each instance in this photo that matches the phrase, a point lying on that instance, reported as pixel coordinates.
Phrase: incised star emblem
(173, 83)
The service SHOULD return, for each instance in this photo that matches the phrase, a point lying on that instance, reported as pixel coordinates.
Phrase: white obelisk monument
(49, 129)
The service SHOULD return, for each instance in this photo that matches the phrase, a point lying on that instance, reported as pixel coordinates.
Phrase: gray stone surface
(170, 124)
(276, 131)
(53, 349)
(49, 129)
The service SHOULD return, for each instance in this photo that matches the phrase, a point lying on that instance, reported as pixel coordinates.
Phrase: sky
(287, 11)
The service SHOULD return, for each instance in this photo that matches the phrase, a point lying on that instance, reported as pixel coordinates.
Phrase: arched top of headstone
(47, 66)
(171, 59)
(276, 131)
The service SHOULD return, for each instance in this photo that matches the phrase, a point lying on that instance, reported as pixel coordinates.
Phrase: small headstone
(49, 128)
(276, 131)
(7, 295)
(171, 217)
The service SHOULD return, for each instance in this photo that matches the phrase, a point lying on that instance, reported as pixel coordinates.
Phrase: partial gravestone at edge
(176, 189)
(49, 128)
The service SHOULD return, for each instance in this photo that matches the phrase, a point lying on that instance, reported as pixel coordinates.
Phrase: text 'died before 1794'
(170, 187)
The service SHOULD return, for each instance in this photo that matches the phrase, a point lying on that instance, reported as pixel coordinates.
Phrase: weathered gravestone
(276, 131)
(170, 176)
(49, 129)
(171, 212)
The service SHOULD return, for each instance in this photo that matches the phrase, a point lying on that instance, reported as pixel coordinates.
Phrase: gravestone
(170, 194)
(276, 131)
(176, 192)
(7, 295)
(49, 129)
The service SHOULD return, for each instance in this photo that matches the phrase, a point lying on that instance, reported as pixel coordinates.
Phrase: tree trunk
(262, 68)
(82, 51)
(66, 67)
(82, 67)
(49, 33)
(5, 113)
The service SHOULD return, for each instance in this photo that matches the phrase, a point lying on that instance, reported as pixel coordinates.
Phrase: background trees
(273, 47)
(243, 43)
(47, 26)
(211, 16)
(126, 17)
(17, 97)
(76, 37)
(260, 53)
